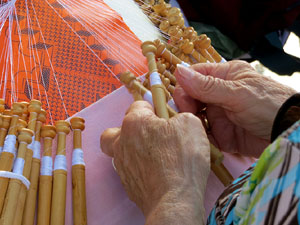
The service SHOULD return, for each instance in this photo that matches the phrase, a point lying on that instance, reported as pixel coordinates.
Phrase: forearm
(177, 212)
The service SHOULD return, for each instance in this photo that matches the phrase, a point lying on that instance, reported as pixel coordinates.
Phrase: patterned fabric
(268, 192)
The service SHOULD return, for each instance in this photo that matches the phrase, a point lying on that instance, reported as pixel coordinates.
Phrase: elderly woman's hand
(241, 104)
(163, 164)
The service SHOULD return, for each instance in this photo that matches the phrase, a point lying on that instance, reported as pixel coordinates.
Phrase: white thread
(185, 64)
(47, 165)
(12, 175)
(36, 150)
(223, 60)
(172, 104)
(77, 157)
(19, 166)
(148, 97)
(163, 51)
(155, 79)
(31, 145)
(60, 163)
(10, 143)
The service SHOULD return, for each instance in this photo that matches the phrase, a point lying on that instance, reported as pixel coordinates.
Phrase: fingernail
(184, 74)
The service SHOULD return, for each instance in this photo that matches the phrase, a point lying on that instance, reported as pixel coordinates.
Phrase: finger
(109, 141)
(217, 70)
(206, 89)
(141, 107)
(184, 102)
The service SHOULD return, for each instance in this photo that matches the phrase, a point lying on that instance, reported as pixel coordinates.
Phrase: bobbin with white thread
(78, 173)
(30, 204)
(48, 133)
(58, 205)
(157, 90)
(9, 212)
(8, 151)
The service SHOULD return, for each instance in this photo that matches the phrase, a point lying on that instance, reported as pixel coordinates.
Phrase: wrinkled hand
(241, 104)
(163, 165)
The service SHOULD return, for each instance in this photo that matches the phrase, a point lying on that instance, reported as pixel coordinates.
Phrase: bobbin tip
(25, 135)
(35, 106)
(77, 123)
(62, 126)
(48, 131)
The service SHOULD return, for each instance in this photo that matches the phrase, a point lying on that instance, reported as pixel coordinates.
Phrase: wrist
(181, 206)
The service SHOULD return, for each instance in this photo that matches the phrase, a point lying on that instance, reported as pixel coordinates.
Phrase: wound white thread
(12, 175)
(36, 150)
(60, 163)
(172, 104)
(223, 60)
(77, 157)
(148, 97)
(185, 64)
(10, 143)
(19, 166)
(31, 145)
(155, 79)
(163, 51)
(47, 165)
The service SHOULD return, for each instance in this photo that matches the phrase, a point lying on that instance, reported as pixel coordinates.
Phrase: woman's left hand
(163, 164)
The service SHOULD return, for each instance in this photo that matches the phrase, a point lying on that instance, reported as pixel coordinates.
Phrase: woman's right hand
(241, 104)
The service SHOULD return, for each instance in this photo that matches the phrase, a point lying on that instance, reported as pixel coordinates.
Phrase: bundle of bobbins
(157, 88)
(182, 41)
(24, 174)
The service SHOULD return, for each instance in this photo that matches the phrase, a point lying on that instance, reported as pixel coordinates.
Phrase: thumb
(205, 88)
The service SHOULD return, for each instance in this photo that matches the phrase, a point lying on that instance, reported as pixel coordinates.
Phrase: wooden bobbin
(158, 93)
(48, 133)
(16, 112)
(163, 52)
(175, 32)
(188, 48)
(131, 83)
(204, 42)
(5, 122)
(160, 8)
(78, 176)
(25, 110)
(155, 18)
(34, 109)
(7, 112)
(189, 33)
(164, 26)
(162, 69)
(168, 85)
(15, 187)
(30, 204)
(58, 205)
(176, 20)
(2, 105)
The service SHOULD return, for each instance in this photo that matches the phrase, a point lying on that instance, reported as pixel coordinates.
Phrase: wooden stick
(58, 205)
(204, 44)
(5, 122)
(45, 184)
(188, 48)
(8, 153)
(30, 204)
(15, 185)
(163, 52)
(2, 105)
(25, 111)
(157, 90)
(162, 69)
(131, 83)
(34, 109)
(78, 174)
